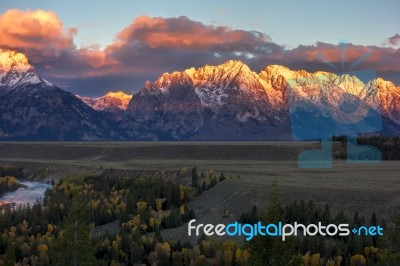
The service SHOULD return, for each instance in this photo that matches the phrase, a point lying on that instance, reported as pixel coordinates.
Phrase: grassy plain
(253, 166)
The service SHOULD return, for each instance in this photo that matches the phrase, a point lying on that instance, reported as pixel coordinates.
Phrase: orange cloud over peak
(153, 45)
(37, 29)
(184, 33)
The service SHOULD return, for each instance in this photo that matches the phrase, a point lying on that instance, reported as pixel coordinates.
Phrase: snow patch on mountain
(112, 101)
(211, 97)
(15, 70)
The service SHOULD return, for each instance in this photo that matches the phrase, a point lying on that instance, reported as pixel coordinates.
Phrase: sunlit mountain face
(231, 102)
(223, 102)
(113, 103)
(32, 108)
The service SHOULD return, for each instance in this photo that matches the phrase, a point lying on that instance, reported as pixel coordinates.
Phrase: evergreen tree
(221, 177)
(74, 246)
(204, 185)
(10, 254)
(271, 250)
(195, 178)
(213, 181)
(374, 222)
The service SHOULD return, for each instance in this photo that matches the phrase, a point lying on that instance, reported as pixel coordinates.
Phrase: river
(34, 190)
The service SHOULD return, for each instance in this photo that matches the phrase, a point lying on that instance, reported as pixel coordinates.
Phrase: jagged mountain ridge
(113, 103)
(224, 102)
(15, 71)
(231, 102)
(32, 108)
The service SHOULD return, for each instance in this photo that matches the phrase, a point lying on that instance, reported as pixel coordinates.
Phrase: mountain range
(112, 104)
(223, 102)
(31, 108)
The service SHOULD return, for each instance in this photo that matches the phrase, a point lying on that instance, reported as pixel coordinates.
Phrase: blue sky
(289, 24)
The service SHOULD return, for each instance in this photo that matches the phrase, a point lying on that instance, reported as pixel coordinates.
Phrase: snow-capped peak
(386, 85)
(15, 70)
(112, 101)
(218, 75)
(12, 60)
(276, 70)
(118, 95)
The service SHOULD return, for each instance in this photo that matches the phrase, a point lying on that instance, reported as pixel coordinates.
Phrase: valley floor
(252, 166)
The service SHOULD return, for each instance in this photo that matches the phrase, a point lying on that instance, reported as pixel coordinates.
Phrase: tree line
(321, 250)
(389, 146)
(60, 229)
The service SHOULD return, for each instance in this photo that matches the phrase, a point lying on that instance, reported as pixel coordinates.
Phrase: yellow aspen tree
(315, 260)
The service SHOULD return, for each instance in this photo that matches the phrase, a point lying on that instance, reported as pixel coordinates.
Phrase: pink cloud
(151, 46)
(183, 33)
(34, 30)
(379, 58)
(394, 40)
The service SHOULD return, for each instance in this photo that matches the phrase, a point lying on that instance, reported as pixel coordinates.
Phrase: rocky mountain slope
(231, 102)
(223, 102)
(32, 108)
(113, 103)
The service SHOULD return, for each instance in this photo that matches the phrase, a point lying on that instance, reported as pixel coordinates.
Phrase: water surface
(33, 191)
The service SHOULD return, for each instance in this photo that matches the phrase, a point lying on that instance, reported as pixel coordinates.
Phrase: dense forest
(60, 230)
(388, 146)
(71, 227)
(8, 183)
(321, 250)
(9, 170)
